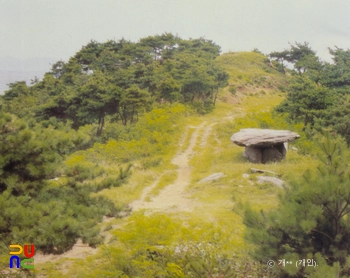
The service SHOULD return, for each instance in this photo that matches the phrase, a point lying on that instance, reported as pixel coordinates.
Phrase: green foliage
(162, 246)
(312, 217)
(232, 89)
(248, 68)
(33, 208)
(27, 158)
(65, 139)
(148, 137)
(202, 107)
(107, 90)
(318, 96)
(306, 101)
(259, 120)
(120, 80)
(337, 117)
(79, 167)
(151, 162)
(116, 180)
(19, 99)
(302, 57)
(337, 75)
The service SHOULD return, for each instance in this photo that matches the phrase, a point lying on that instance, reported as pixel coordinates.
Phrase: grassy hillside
(202, 233)
(250, 69)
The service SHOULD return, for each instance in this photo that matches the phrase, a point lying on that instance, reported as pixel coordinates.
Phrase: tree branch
(341, 212)
(314, 230)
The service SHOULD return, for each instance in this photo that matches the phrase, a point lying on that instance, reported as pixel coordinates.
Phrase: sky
(52, 30)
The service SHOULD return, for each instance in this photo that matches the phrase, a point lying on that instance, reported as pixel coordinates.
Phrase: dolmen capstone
(263, 145)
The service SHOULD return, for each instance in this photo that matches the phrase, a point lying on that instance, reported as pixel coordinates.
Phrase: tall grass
(250, 69)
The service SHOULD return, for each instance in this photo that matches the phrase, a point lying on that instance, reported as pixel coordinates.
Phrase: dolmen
(264, 145)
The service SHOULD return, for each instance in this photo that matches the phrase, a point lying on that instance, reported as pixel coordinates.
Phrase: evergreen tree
(320, 94)
(306, 101)
(302, 57)
(33, 209)
(312, 219)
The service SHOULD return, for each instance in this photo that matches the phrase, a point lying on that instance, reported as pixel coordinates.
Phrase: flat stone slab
(279, 183)
(254, 170)
(262, 137)
(212, 177)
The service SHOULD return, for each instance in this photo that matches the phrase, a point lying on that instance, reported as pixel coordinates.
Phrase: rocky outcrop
(263, 145)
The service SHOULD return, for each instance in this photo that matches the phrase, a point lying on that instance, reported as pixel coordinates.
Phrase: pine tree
(312, 220)
(31, 208)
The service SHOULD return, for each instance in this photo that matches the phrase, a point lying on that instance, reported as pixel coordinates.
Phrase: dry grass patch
(130, 191)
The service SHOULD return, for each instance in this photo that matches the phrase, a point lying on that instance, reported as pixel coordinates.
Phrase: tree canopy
(317, 96)
(32, 208)
(121, 79)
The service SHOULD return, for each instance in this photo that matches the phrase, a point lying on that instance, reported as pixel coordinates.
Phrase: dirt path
(206, 134)
(173, 197)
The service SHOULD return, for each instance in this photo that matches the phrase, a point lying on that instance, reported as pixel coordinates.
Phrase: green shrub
(79, 167)
(282, 88)
(151, 162)
(232, 89)
(162, 246)
(202, 107)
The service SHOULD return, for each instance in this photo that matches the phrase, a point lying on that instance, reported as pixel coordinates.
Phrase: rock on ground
(262, 137)
(279, 183)
(212, 177)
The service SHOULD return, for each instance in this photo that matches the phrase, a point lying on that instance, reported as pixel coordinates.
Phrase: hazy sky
(58, 29)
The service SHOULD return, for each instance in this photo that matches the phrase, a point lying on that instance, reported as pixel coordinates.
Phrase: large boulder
(264, 145)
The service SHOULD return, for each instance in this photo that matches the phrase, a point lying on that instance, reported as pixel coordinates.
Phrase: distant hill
(14, 69)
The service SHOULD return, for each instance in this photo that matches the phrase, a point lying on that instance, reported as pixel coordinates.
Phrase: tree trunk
(216, 95)
(98, 126)
(102, 123)
(132, 114)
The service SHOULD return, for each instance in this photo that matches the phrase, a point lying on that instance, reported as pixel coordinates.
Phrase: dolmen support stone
(264, 145)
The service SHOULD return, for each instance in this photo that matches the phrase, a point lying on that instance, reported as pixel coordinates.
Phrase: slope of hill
(251, 69)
